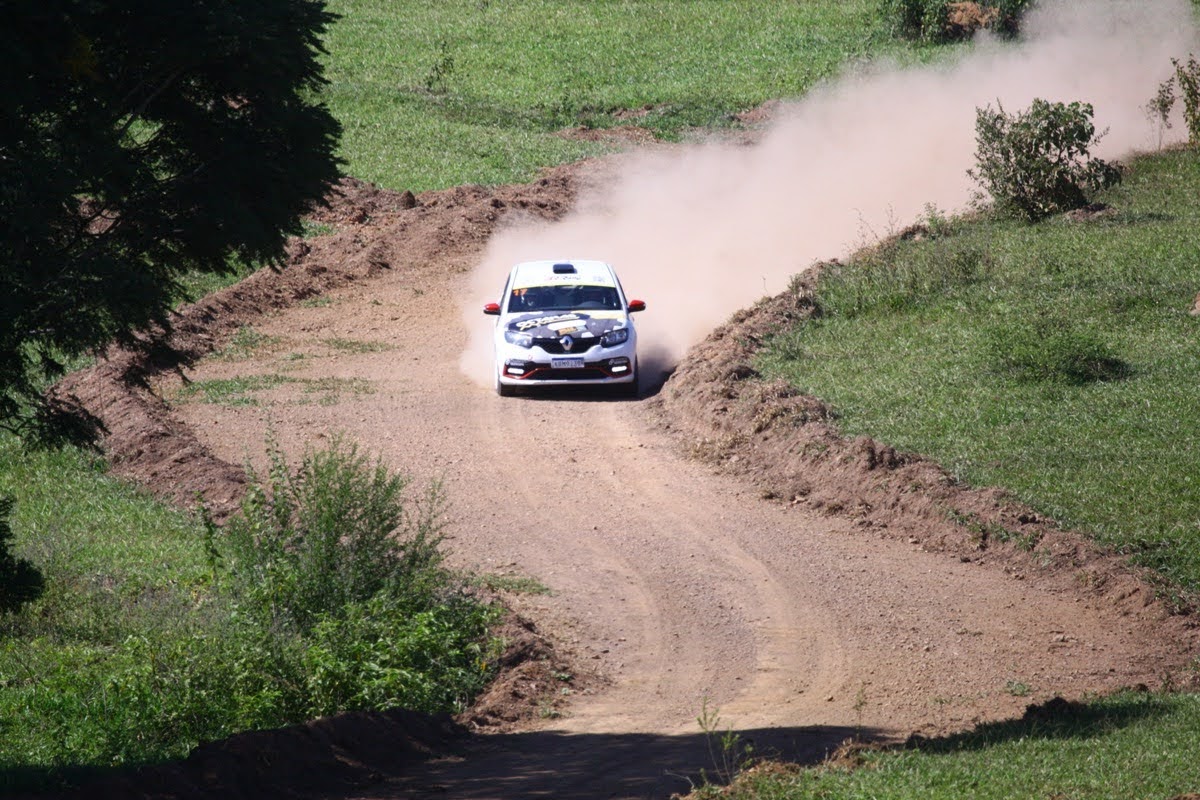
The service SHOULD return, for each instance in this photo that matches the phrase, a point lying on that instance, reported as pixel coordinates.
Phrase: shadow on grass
(404, 755)
(1054, 719)
(585, 766)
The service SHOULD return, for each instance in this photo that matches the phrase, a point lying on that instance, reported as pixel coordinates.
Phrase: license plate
(566, 363)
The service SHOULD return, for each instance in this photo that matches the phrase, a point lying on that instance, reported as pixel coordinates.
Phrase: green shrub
(336, 567)
(338, 531)
(1038, 162)
(379, 655)
(914, 19)
(327, 594)
(944, 21)
(1050, 350)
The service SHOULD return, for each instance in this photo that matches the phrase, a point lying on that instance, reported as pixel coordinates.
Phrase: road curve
(684, 588)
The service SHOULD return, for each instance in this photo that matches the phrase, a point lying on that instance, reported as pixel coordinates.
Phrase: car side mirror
(637, 305)
(492, 308)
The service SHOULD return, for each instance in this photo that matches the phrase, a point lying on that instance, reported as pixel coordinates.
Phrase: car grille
(585, 374)
(553, 346)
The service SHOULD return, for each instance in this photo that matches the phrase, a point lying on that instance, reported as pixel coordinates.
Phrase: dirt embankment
(788, 444)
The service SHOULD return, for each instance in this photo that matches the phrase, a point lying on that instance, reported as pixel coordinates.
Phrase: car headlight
(518, 338)
(615, 337)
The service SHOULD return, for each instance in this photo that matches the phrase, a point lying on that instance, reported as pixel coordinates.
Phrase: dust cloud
(703, 230)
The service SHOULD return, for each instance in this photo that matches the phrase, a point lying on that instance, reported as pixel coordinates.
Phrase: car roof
(568, 271)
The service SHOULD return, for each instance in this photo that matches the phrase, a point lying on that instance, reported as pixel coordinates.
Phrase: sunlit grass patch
(480, 90)
(1061, 364)
(247, 342)
(1128, 745)
(238, 391)
(355, 346)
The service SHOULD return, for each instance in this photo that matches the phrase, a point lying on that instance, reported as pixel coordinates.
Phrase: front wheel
(502, 389)
(628, 389)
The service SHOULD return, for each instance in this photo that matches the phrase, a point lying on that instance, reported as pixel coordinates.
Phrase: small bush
(1038, 162)
(946, 21)
(380, 655)
(1051, 351)
(336, 567)
(911, 19)
(1183, 85)
(337, 531)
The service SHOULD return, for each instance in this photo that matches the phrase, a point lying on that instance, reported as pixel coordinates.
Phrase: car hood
(552, 324)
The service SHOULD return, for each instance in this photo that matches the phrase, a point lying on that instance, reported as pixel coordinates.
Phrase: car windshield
(563, 298)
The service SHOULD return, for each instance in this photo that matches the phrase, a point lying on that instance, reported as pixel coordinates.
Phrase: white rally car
(564, 323)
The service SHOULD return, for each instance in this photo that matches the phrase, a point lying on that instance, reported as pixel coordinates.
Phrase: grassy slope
(1118, 458)
(471, 91)
(1125, 746)
(912, 351)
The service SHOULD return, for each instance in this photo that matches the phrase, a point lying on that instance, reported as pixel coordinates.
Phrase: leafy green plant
(944, 21)
(379, 654)
(1038, 162)
(436, 80)
(336, 531)
(913, 19)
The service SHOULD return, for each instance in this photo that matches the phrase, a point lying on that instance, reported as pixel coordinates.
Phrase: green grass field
(1126, 746)
(472, 91)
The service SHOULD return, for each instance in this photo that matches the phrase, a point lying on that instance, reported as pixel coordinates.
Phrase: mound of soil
(326, 757)
(725, 413)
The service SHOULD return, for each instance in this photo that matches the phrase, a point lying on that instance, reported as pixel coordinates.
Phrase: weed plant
(1057, 360)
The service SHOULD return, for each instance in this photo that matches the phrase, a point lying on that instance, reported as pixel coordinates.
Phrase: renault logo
(567, 343)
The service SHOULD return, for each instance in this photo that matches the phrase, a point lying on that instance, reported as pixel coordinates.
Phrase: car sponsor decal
(576, 324)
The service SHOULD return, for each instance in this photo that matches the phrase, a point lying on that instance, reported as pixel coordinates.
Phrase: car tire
(629, 389)
(502, 389)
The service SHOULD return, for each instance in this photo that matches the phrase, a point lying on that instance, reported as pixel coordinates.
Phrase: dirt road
(682, 588)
